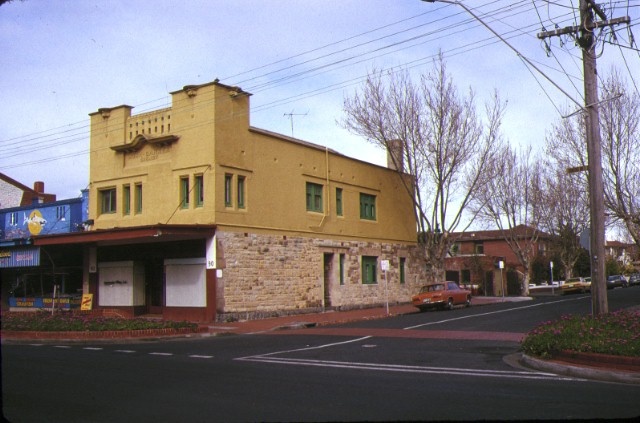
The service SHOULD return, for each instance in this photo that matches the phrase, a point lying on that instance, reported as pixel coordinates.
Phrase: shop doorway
(154, 286)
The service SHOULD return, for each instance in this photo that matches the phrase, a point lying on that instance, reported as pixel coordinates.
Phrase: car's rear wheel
(450, 304)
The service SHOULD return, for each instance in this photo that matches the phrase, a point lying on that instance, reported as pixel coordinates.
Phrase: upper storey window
(107, 200)
(314, 197)
(367, 206)
(199, 190)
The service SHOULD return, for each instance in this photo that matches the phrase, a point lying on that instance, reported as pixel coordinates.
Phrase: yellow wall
(206, 132)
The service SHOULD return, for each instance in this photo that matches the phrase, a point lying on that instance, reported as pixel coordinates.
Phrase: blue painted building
(28, 273)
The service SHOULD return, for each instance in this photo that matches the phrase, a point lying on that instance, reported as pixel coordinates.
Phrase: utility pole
(586, 41)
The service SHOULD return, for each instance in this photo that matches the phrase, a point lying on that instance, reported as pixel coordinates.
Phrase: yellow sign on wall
(35, 222)
(87, 302)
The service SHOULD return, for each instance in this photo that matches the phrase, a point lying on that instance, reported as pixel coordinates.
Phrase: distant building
(475, 260)
(15, 194)
(194, 214)
(624, 253)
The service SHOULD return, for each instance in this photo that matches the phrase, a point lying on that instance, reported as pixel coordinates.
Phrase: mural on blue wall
(43, 219)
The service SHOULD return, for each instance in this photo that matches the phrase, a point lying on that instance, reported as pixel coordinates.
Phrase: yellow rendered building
(196, 214)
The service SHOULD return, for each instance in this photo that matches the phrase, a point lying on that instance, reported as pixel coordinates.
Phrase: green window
(126, 199)
(314, 197)
(402, 263)
(228, 179)
(108, 200)
(367, 206)
(241, 191)
(199, 186)
(369, 269)
(138, 198)
(184, 192)
(339, 201)
(342, 257)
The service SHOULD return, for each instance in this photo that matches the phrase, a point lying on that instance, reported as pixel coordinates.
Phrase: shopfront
(159, 270)
(40, 278)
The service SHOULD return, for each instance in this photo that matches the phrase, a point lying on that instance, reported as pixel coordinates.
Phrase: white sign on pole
(384, 265)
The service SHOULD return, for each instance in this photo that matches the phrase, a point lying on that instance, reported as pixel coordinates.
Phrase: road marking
(93, 348)
(512, 374)
(200, 356)
(313, 348)
(62, 346)
(160, 353)
(489, 313)
(125, 351)
(410, 369)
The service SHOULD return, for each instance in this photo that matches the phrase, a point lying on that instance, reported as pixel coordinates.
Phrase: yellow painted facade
(149, 169)
(298, 226)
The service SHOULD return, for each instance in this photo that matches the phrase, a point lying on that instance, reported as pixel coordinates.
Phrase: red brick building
(475, 257)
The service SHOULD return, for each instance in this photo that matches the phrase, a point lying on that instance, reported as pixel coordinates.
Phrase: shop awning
(139, 234)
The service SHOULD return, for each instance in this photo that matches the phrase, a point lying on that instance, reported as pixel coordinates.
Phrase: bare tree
(620, 122)
(566, 196)
(511, 201)
(564, 211)
(433, 134)
(620, 127)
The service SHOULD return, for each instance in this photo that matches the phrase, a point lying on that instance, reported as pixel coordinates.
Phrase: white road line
(200, 356)
(93, 348)
(489, 313)
(125, 351)
(310, 348)
(62, 346)
(411, 369)
(160, 353)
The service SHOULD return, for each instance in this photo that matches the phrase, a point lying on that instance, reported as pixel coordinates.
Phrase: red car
(441, 295)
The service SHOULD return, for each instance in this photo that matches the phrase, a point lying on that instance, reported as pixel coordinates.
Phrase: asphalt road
(413, 371)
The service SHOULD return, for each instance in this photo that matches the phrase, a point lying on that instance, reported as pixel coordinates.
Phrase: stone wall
(270, 275)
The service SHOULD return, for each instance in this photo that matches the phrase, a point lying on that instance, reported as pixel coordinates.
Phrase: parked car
(573, 285)
(441, 295)
(587, 280)
(634, 279)
(614, 281)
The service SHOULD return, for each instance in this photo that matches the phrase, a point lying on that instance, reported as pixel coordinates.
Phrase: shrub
(46, 322)
(614, 333)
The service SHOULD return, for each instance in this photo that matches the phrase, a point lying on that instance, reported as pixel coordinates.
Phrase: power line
(70, 133)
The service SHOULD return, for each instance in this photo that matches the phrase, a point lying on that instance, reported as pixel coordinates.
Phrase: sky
(64, 59)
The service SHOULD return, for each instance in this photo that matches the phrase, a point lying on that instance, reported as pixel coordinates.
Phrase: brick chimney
(38, 187)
